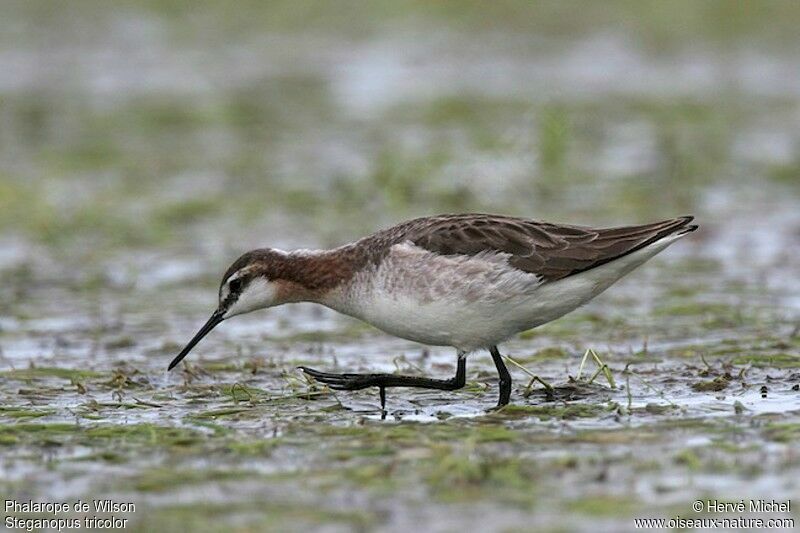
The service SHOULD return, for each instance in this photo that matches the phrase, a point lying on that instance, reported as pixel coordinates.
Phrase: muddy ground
(143, 147)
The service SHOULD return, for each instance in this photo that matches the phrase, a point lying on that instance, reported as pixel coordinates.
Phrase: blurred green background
(174, 124)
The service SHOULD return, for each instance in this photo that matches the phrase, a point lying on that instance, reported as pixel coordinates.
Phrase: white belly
(446, 322)
(468, 302)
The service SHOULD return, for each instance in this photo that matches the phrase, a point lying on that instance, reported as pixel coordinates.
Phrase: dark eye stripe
(235, 285)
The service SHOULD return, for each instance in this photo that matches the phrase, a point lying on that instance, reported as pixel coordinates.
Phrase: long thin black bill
(215, 319)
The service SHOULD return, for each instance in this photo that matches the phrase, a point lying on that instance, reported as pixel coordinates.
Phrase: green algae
(168, 479)
(252, 447)
(689, 458)
(605, 506)
(224, 411)
(35, 373)
(105, 435)
(36, 434)
(547, 412)
(149, 434)
(7, 439)
(782, 432)
(37, 428)
(21, 412)
(454, 476)
(255, 515)
(412, 434)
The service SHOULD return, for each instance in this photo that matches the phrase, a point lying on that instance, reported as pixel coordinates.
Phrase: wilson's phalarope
(468, 281)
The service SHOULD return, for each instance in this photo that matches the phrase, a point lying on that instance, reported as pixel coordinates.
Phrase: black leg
(505, 377)
(362, 381)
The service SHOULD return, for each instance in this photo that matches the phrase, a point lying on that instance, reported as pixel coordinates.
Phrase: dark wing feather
(552, 251)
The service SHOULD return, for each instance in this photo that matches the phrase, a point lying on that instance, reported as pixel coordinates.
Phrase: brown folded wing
(552, 251)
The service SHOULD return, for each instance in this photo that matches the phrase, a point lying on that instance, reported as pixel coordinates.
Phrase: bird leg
(505, 377)
(362, 381)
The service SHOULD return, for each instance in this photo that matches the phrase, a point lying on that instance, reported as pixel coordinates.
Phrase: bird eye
(235, 285)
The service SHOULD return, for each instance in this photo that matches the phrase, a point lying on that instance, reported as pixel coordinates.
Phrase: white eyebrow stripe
(224, 290)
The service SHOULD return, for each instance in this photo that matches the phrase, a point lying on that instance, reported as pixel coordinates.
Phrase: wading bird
(468, 281)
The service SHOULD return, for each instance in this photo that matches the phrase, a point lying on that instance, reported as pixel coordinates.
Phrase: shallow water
(143, 150)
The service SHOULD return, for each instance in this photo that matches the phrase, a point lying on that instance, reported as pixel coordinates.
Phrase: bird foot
(347, 381)
(362, 381)
(351, 381)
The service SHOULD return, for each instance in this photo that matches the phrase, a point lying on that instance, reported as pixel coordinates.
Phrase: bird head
(256, 280)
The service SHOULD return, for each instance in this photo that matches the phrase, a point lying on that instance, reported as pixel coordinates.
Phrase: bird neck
(310, 275)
